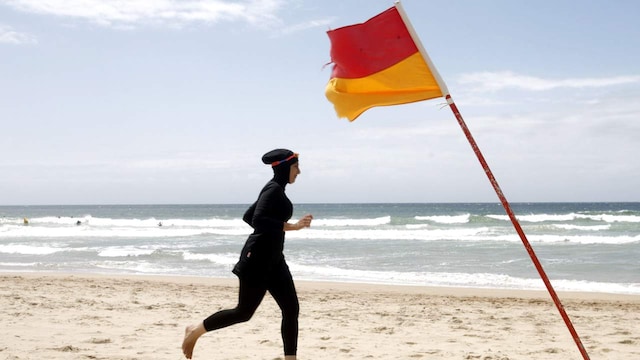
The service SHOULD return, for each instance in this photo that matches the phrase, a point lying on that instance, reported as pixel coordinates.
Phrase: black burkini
(262, 266)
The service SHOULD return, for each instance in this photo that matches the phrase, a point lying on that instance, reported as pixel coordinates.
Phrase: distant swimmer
(25, 221)
(160, 223)
(78, 222)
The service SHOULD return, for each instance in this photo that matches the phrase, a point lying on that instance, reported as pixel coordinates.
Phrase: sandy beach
(64, 316)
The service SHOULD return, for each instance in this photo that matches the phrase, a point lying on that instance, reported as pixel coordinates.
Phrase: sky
(175, 101)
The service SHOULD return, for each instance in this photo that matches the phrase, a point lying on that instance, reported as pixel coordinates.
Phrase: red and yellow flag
(377, 63)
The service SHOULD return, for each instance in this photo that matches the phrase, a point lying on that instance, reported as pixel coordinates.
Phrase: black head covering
(280, 160)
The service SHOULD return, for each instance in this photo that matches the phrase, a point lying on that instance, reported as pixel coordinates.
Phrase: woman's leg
(284, 293)
(249, 297)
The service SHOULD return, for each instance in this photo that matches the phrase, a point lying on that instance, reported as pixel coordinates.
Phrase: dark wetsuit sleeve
(269, 204)
(248, 215)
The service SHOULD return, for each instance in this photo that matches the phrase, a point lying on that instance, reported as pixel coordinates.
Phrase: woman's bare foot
(191, 335)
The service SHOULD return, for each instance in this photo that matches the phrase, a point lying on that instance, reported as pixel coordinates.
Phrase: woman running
(262, 266)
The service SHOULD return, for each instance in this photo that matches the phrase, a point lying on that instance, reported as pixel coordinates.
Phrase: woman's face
(294, 171)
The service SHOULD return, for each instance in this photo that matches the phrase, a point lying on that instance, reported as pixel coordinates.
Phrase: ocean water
(582, 246)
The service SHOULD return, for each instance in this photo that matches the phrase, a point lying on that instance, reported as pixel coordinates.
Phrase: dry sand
(62, 316)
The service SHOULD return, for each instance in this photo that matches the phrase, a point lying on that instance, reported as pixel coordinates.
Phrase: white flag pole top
(492, 180)
(423, 52)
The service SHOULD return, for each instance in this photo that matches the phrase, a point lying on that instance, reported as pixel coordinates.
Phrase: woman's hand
(304, 222)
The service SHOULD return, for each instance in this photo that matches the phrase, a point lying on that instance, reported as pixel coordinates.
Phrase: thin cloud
(131, 13)
(495, 81)
(10, 36)
(306, 26)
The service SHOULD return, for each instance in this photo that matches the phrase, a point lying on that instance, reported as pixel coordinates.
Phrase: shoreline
(125, 317)
(346, 285)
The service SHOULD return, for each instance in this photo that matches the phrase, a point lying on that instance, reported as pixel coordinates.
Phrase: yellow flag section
(377, 63)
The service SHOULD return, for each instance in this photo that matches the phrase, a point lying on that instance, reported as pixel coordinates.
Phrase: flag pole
(493, 181)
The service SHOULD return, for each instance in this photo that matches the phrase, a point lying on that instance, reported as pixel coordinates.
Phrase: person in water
(262, 266)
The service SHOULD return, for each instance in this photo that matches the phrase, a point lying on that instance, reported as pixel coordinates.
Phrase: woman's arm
(270, 200)
(248, 215)
(302, 223)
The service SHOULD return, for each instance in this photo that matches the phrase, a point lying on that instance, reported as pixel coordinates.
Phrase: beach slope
(64, 316)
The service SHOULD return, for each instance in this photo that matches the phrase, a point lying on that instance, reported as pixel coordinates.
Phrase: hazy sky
(175, 101)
